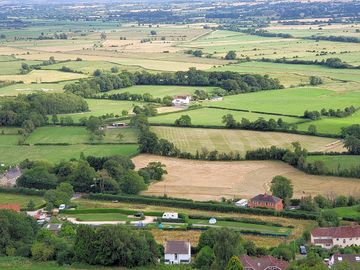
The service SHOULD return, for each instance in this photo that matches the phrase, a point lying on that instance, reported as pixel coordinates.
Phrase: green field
(23, 200)
(245, 226)
(78, 135)
(332, 125)
(101, 217)
(213, 117)
(14, 67)
(351, 211)
(292, 101)
(99, 107)
(163, 90)
(225, 140)
(13, 154)
(335, 163)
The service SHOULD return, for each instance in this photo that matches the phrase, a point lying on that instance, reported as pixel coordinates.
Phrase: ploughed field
(212, 180)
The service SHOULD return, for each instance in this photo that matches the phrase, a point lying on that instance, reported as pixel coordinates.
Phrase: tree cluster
(259, 124)
(314, 115)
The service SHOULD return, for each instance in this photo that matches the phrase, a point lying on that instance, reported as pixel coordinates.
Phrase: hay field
(208, 180)
(225, 140)
(39, 76)
(22, 88)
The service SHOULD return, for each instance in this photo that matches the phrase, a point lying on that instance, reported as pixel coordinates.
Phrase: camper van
(170, 216)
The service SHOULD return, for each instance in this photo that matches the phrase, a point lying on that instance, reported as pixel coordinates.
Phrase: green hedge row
(23, 191)
(216, 207)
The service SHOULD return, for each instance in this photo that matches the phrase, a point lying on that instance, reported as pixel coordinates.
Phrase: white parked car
(62, 207)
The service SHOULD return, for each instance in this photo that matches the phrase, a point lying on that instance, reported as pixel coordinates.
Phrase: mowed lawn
(13, 154)
(213, 117)
(99, 107)
(163, 90)
(23, 200)
(78, 135)
(226, 140)
(101, 217)
(332, 125)
(350, 211)
(335, 163)
(293, 101)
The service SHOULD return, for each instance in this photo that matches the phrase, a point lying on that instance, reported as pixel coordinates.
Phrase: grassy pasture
(21, 88)
(242, 179)
(23, 200)
(98, 107)
(333, 163)
(101, 217)
(78, 135)
(162, 90)
(213, 117)
(223, 140)
(332, 125)
(13, 154)
(290, 101)
(351, 211)
(13, 67)
(39, 76)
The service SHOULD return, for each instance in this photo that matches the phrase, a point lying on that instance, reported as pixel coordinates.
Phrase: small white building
(181, 100)
(168, 215)
(336, 236)
(177, 252)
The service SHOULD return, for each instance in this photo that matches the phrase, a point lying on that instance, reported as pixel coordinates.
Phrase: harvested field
(39, 76)
(210, 180)
(226, 140)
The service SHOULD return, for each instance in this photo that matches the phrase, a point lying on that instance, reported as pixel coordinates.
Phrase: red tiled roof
(337, 232)
(266, 198)
(16, 207)
(177, 247)
(261, 263)
(323, 241)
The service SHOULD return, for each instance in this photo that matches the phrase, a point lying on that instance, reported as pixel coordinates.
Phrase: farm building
(336, 236)
(242, 203)
(177, 252)
(266, 201)
(350, 258)
(181, 100)
(14, 206)
(262, 263)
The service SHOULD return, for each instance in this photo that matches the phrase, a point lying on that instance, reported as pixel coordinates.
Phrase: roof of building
(351, 258)
(177, 247)
(261, 263)
(14, 206)
(13, 173)
(323, 241)
(337, 232)
(181, 97)
(266, 198)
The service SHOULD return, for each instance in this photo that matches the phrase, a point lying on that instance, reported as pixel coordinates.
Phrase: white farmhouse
(181, 100)
(336, 236)
(177, 252)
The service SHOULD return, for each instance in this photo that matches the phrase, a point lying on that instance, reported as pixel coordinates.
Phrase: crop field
(192, 139)
(39, 76)
(21, 88)
(291, 74)
(243, 179)
(256, 47)
(23, 200)
(79, 135)
(292, 101)
(213, 117)
(162, 90)
(334, 163)
(99, 107)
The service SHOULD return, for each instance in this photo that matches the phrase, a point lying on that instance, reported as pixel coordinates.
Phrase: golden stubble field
(212, 180)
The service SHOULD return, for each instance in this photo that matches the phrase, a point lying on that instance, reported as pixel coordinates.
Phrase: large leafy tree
(282, 187)
(234, 264)
(37, 177)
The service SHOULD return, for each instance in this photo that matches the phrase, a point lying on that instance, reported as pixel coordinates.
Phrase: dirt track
(209, 180)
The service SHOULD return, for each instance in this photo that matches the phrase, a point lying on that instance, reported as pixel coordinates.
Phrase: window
(344, 241)
(176, 256)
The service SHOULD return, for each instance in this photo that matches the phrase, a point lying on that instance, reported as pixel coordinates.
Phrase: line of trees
(314, 115)
(232, 82)
(32, 110)
(335, 38)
